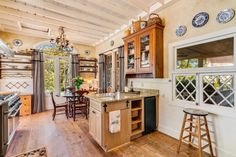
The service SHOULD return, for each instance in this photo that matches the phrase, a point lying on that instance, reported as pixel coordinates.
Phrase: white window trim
(225, 33)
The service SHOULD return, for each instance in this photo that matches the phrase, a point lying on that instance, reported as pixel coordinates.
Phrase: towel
(114, 121)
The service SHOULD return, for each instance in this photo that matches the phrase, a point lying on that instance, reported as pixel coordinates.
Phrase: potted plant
(78, 81)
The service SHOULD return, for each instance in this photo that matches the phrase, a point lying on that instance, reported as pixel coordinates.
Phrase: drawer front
(26, 105)
(95, 105)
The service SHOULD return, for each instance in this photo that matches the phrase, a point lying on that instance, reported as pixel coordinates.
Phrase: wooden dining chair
(58, 107)
(80, 103)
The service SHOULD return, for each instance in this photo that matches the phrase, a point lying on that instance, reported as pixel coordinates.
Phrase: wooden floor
(65, 138)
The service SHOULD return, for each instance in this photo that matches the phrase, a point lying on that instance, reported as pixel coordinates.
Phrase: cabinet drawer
(26, 105)
(95, 105)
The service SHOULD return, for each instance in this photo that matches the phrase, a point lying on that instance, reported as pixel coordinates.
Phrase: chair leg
(199, 136)
(66, 111)
(182, 131)
(208, 136)
(54, 114)
(74, 110)
(86, 112)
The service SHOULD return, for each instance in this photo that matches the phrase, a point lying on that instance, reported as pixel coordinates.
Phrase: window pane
(185, 87)
(212, 54)
(64, 66)
(218, 90)
(49, 74)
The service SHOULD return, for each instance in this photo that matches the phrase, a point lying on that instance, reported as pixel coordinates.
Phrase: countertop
(108, 97)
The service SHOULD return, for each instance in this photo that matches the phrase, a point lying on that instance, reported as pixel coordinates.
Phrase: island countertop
(108, 97)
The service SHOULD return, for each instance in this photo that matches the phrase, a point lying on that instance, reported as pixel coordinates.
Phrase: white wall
(223, 127)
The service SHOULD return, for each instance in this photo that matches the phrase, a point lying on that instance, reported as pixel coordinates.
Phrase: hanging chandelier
(60, 42)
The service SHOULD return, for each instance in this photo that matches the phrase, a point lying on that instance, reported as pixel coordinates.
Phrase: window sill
(214, 110)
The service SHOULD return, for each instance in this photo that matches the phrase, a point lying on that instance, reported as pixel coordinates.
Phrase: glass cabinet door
(144, 55)
(131, 56)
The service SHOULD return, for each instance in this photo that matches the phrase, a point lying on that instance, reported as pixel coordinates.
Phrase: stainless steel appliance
(10, 105)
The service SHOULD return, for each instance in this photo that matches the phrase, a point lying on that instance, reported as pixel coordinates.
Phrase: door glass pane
(64, 67)
(131, 55)
(108, 71)
(49, 74)
(145, 52)
(211, 54)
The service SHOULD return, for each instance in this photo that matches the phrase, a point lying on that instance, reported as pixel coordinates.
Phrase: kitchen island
(114, 120)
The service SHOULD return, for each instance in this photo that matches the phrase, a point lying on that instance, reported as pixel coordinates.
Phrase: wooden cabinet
(26, 105)
(144, 52)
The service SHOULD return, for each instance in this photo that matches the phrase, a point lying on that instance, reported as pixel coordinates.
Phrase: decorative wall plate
(87, 52)
(17, 42)
(200, 19)
(225, 16)
(180, 30)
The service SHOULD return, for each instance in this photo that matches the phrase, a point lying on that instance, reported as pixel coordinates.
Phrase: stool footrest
(194, 122)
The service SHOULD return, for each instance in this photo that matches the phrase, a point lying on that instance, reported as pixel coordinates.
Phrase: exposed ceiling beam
(94, 10)
(25, 32)
(19, 25)
(53, 28)
(120, 7)
(52, 15)
(140, 5)
(2, 28)
(38, 20)
(161, 1)
(71, 13)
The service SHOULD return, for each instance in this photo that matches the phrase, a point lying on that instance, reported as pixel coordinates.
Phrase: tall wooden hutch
(143, 53)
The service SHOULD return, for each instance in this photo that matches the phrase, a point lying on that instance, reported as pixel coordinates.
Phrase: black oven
(3, 127)
(10, 110)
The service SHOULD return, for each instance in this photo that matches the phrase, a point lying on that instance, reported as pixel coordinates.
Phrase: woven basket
(136, 25)
(154, 18)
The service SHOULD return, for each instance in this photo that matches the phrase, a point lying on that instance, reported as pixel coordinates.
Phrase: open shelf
(136, 131)
(136, 117)
(87, 65)
(136, 109)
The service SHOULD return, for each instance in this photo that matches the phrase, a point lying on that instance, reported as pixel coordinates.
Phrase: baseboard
(175, 134)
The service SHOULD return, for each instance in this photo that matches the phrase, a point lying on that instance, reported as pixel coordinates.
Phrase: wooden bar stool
(194, 121)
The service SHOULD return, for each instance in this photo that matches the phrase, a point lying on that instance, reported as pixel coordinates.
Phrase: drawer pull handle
(105, 107)
(94, 112)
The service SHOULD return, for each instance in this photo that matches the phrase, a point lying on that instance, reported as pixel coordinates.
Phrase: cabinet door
(98, 128)
(145, 52)
(92, 126)
(130, 55)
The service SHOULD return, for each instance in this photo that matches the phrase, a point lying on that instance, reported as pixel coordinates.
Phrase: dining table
(69, 100)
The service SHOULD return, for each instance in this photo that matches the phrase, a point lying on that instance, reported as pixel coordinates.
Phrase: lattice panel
(218, 89)
(185, 87)
(17, 85)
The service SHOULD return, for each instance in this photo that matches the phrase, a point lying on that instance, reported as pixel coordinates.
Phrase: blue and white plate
(17, 42)
(200, 19)
(181, 30)
(225, 16)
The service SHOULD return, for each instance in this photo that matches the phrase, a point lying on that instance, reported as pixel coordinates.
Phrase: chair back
(53, 101)
(78, 96)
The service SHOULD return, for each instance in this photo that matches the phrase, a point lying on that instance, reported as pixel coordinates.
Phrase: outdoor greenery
(49, 75)
(49, 63)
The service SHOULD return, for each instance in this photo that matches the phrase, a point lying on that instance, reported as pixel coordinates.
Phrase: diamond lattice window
(185, 87)
(218, 90)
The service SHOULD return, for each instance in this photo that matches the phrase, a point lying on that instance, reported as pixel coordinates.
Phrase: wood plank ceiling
(86, 21)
